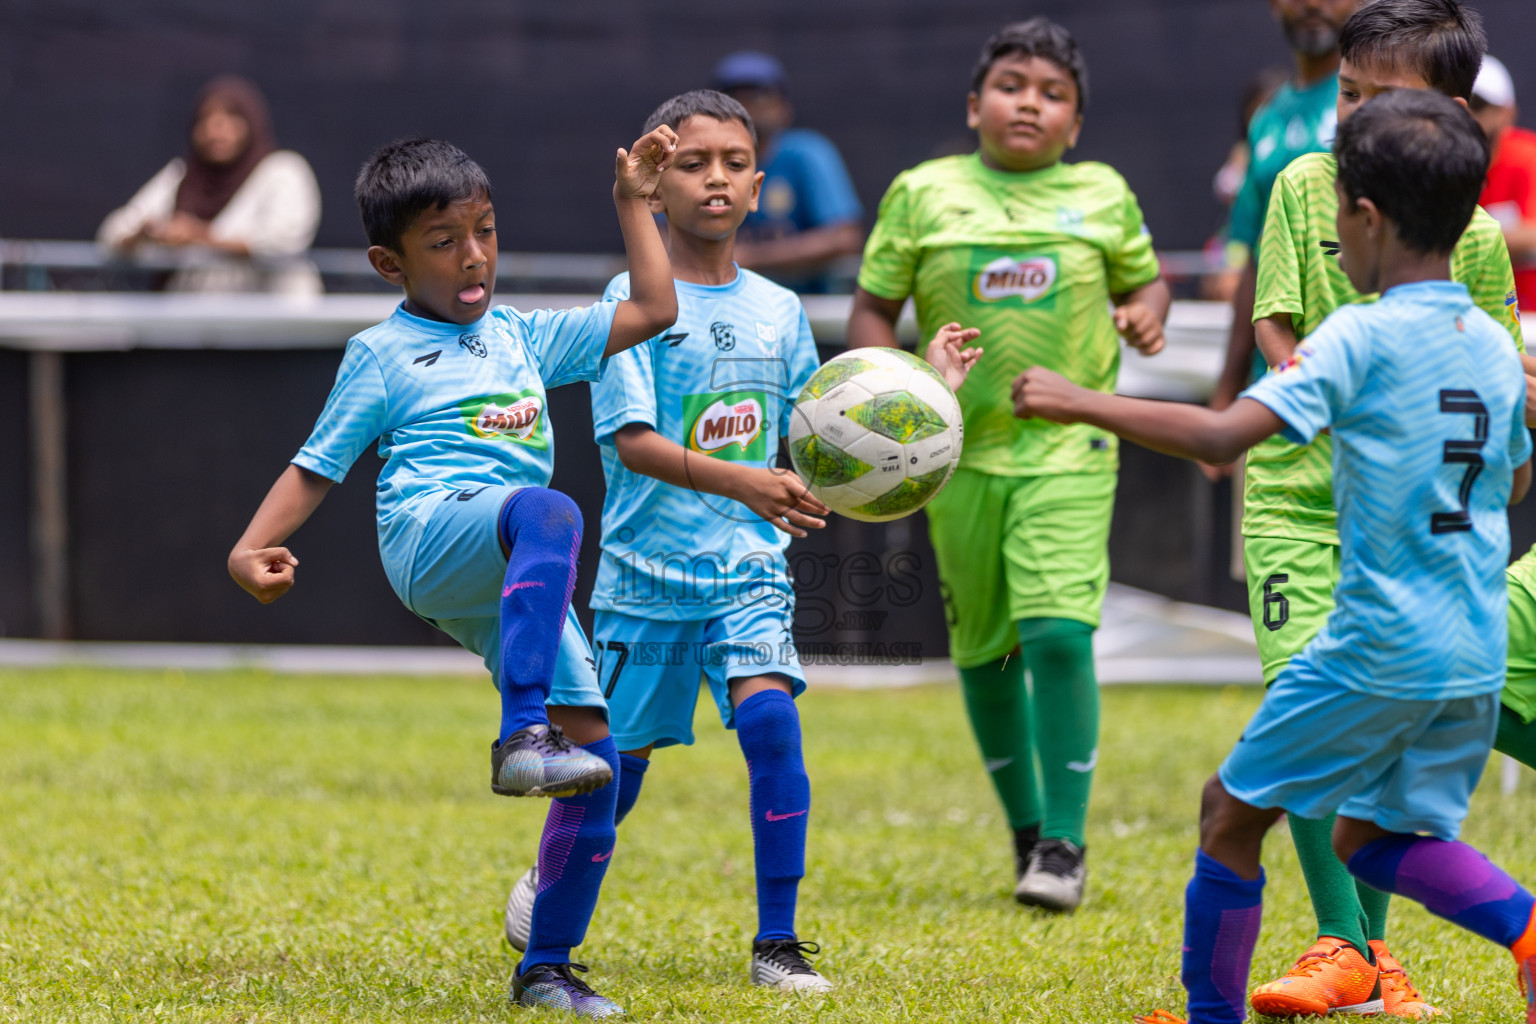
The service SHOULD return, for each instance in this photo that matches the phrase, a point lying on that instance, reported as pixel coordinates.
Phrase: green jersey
(1289, 488)
(1031, 259)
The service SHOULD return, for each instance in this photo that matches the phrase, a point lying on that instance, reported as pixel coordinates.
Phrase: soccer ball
(876, 433)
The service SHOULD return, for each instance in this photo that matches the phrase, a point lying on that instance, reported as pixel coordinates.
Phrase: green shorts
(1520, 682)
(1290, 593)
(1019, 547)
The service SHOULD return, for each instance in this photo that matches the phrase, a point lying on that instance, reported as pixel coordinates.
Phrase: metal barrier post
(50, 523)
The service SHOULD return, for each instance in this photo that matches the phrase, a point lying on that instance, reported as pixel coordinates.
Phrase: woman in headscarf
(234, 194)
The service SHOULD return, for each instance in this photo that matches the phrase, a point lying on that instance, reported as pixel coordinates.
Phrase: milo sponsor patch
(517, 417)
(1026, 280)
(728, 426)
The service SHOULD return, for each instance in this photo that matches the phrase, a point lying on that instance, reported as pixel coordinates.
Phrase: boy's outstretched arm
(1173, 428)
(872, 322)
(779, 496)
(652, 304)
(259, 562)
(1140, 315)
(1521, 485)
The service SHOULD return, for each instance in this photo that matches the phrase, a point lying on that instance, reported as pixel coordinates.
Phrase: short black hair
(1442, 40)
(407, 176)
(700, 102)
(1421, 158)
(1037, 37)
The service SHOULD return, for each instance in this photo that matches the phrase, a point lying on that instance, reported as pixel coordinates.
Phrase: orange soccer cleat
(1398, 995)
(1158, 1017)
(1331, 977)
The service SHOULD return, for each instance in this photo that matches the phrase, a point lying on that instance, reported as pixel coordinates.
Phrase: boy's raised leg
(1454, 881)
(541, 530)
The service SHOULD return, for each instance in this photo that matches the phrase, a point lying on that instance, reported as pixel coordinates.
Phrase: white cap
(1493, 85)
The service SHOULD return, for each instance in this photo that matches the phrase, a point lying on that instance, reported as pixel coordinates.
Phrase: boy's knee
(549, 512)
(1223, 817)
(1351, 834)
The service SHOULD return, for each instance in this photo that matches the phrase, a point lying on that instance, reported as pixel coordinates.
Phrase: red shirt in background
(1510, 195)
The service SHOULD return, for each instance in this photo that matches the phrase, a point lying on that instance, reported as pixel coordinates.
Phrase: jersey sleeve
(1282, 252)
(803, 362)
(1491, 280)
(569, 344)
(830, 198)
(1311, 390)
(890, 255)
(355, 414)
(1132, 263)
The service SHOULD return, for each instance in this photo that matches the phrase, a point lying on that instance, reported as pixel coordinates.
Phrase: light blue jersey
(454, 407)
(1426, 403)
(721, 382)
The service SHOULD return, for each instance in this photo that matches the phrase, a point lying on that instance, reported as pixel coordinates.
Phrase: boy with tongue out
(472, 539)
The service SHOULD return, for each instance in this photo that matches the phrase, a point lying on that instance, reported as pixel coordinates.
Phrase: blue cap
(748, 69)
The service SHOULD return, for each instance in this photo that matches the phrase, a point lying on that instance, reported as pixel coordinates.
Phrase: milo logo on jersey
(516, 417)
(1022, 280)
(728, 426)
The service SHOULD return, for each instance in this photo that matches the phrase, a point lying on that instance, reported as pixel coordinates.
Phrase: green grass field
(240, 847)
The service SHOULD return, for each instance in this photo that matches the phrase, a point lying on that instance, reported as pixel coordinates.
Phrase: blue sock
(542, 531)
(768, 728)
(1221, 927)
(1451, 879)
(631, 776)
(573, 857)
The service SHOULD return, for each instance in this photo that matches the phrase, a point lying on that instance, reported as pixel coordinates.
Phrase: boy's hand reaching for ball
(1038, 392)
(947, 354)
(1140, 327)
(637, 170)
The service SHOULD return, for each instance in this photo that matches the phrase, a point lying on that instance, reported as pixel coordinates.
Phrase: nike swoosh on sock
(507, 592)
(598, 858)
(1085, 766)
(997, 764)
(792, 814)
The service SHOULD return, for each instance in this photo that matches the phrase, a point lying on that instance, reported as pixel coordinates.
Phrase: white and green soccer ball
(876, 433)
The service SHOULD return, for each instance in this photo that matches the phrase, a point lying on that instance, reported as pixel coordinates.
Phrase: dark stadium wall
(94, 96)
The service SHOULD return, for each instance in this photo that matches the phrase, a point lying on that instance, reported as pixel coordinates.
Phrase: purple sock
(768, 729)
(542, 531)
(1451, 879)
(1221, 927)
(631, 776)
(573, 857)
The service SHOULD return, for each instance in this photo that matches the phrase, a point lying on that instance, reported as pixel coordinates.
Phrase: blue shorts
(651, 668)
(449, 570)
(1315, 747)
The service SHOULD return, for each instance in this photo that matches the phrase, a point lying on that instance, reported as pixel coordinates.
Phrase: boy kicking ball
(693, 585)
(1388, 715)
(472, 539)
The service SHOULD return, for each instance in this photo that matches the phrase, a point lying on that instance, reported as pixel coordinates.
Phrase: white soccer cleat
(782, 964)
(1055, 877)
(519, 918)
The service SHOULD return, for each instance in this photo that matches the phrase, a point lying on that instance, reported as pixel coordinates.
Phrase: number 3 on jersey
(1462, 453)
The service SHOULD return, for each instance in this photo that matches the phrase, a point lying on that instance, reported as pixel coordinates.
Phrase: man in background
(1299, 118)
(1510, 192)
(808, 215)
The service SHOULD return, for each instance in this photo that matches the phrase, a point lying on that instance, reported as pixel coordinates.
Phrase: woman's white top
(275, 212)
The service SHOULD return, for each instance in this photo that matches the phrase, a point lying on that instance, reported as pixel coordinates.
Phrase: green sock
(1517, 737)
(1065, 692)
(998, 704)
(1335, 898)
